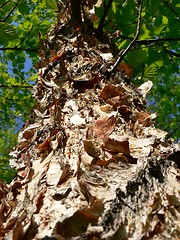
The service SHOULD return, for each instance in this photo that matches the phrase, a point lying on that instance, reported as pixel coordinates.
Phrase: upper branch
(76, 12)
(105, 12)
(134, 40)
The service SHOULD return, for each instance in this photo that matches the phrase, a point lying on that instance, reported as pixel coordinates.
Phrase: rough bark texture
(91, 164)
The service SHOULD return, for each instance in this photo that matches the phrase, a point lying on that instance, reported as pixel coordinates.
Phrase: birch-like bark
(90, 162)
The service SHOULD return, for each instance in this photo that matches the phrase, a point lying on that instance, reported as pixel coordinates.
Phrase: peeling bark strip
(90, 162)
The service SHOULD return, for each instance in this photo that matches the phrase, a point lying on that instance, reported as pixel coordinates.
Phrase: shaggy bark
(90, 162)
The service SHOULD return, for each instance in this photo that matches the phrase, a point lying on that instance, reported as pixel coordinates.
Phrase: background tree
(154, 56)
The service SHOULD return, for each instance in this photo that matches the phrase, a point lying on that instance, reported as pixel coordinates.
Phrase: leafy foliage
(154, 55)
(21, 22)
(165, 100)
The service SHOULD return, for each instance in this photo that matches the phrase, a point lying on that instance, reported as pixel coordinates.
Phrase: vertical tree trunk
(91, 164)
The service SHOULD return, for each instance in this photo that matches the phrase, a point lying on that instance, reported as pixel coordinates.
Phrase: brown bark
(91, 164)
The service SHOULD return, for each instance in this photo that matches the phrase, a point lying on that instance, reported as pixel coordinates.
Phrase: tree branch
(122, 53)
(19, 49)
(6, 17)
(14, 86)
(13, 100)
(105, 12)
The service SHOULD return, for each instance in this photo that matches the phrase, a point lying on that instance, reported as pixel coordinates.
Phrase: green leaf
(11, 55)
(51, 4)
(165, 20)
(7, 33)
(138, 56)
(144, 32)
(152, 5)
(151, 71)
(160, 23)
(159, 63)
(114, 7)
(23, 8)
(122, 44)
(99, 11)
(35, 20)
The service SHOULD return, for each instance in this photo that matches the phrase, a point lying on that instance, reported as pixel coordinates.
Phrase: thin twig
(151, 40)
(17, 47)
(19, 44)
(170, 135)
(171, 52)
(175, 13)
(122, 53)
(147, 41)
(6, 17)
(28, 32)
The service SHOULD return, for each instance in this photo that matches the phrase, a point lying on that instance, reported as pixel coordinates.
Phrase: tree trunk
(90, 162)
